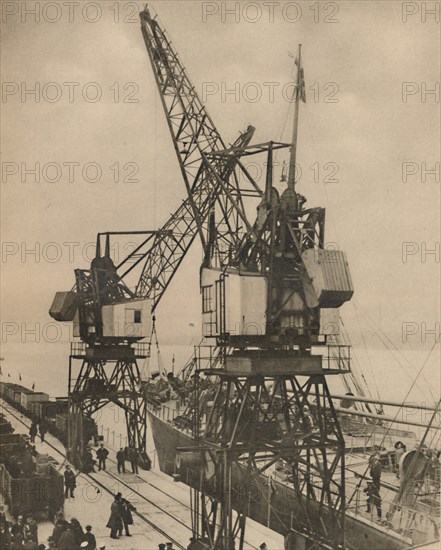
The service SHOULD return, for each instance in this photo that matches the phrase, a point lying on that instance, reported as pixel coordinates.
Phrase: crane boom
(108, 316)
(210, 181)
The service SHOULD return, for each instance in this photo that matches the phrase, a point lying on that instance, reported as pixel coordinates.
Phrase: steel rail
(103, 486)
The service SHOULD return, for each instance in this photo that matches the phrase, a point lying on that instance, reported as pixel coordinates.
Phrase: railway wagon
(41, 492)
(37, 406)
(16, 396)
(8, 389)
(47, 409)
(58, 427)
(28, 397)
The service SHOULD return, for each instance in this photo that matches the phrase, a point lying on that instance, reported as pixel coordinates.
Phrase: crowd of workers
(19, 535)
(125, 454)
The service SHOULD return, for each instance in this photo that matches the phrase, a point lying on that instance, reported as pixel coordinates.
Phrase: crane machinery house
(122, 320)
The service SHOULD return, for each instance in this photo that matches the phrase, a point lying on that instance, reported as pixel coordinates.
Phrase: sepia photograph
(220, 275)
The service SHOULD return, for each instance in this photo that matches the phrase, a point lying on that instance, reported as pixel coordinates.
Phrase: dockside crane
(111, 317)
(264, 313)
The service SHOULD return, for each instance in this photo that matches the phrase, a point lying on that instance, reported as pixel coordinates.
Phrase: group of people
(66, 535)
(69, 535)
(19, 535)
(124, 454)
(89, 462)
(120, 516)
(130, 454)
(36, 428)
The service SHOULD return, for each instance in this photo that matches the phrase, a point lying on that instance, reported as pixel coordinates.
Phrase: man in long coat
(126, 515)
(115, 523)
(69, 482)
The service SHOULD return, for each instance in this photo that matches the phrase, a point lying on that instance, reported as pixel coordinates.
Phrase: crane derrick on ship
(264, 284)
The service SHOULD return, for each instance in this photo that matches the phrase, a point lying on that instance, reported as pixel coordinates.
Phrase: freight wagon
(29, 481)
(40, 492)
(28, 397)
(38, 407)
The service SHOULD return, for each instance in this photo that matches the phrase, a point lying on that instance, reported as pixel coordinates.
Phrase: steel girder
(255, 423)
(97, 383)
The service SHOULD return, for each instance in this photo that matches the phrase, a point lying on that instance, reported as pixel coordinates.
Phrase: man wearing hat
(89, 541)
(115, 523)
(69, 482)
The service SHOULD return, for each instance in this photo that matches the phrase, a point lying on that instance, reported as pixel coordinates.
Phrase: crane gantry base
(100, 376)
(255, 426)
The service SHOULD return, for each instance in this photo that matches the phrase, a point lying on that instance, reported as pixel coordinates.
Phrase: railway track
(129, 487)
(102, 486)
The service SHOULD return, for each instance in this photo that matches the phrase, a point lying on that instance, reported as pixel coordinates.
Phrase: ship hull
(272, 504)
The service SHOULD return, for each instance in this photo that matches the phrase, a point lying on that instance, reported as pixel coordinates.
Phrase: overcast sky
(355, 123)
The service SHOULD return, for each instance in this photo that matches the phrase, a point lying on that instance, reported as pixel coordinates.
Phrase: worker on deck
(373, 498)
(375, 470)
(175, 386)
(400, 449)
(308, 422)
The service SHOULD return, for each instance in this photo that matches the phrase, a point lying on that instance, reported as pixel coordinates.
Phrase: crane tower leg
(96, 382)
(281, 425)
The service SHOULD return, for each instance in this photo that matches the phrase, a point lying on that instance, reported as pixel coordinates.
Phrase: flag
(301, 92)
(302, 86)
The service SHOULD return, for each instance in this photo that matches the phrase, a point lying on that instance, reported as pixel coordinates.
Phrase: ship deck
(358, 451)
